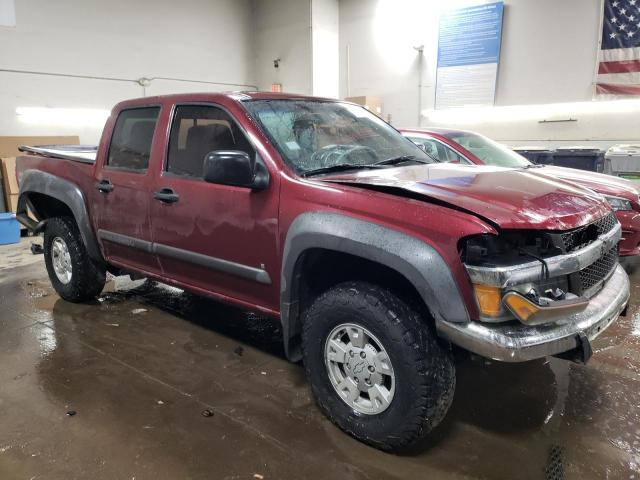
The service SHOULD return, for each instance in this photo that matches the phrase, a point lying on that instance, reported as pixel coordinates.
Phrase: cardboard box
(3, 206)
(372, 104)
(12, 206)
(12, 203)
(9, 182)
(9, 145)
(8, 153)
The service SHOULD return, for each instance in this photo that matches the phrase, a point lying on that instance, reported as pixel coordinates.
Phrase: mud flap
(581, 354)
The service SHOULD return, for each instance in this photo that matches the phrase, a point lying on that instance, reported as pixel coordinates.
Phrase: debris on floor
(37, 249)
(239, 350)
(137, 311)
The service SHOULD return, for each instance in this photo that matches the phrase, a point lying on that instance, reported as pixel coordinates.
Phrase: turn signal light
(520, 306)
(532, 314)
(489, 300)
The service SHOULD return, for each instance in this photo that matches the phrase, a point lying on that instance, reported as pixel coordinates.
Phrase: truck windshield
(319, 136)
(490, 152)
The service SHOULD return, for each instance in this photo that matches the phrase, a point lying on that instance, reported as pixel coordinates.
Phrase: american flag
(619, 56)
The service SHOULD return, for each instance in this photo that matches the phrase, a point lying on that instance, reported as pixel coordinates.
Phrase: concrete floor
(141, 366)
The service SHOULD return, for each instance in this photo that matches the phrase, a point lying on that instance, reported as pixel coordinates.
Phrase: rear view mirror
(234, 167)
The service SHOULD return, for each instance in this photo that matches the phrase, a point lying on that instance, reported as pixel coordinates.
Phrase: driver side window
(197, 130)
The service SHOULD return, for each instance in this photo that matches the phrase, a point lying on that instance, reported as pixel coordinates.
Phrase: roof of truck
(238, 96)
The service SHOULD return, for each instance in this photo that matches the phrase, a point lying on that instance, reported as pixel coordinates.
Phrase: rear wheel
(376, 370)
(73, 274)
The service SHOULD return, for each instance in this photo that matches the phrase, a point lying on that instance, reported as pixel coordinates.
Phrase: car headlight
(619, 203)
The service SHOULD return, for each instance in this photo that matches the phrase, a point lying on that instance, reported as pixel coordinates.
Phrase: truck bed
(73, 164)
(78, 153)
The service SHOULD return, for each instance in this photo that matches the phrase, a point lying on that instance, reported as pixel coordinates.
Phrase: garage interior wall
(548, 56)
(196, 40)
(326, 47)
(283, 31)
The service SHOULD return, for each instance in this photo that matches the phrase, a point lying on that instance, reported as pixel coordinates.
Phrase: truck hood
(505, 197)
(599, 182)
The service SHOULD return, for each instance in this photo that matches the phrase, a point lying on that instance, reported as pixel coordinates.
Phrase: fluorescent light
(530, 112)
(89, 117)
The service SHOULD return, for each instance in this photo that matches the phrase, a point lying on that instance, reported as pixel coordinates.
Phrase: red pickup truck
(376, 259)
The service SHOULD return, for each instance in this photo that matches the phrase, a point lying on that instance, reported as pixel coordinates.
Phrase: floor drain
(555, 468)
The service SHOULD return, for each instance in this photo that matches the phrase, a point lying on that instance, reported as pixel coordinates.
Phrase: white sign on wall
(468, 55)
(7, 13)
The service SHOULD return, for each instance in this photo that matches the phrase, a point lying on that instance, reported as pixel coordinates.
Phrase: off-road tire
(424, 369)
(87, 278)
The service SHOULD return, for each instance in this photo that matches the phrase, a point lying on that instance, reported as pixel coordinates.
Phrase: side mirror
(234, 167)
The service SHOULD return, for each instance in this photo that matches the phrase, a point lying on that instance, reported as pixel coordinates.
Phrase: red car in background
(460, 146)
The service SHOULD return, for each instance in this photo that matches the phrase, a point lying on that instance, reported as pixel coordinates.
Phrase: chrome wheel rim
(61, 260)
(359, 369)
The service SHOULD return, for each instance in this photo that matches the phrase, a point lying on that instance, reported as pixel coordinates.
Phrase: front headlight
(618, 203)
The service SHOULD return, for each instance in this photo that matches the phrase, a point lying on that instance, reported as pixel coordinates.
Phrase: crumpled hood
(601, 183)
(509, 198)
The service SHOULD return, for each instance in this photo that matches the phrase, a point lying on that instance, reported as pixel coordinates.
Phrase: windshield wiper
(339, 167)
(350, 166)
(533, 165)
(400, 159)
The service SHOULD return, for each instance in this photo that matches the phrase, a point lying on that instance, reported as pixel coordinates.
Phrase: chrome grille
(598, 270)
(583, 236)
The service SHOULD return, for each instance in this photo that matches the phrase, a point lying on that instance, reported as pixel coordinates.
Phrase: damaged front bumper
(516, 342)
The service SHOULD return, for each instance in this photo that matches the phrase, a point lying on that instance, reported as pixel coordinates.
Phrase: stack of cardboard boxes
(373, 104)
(8, 152)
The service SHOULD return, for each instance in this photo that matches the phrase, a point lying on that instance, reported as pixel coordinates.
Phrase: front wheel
(74, 276)
(375, 368)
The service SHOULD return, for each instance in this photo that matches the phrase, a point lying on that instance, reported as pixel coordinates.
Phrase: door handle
(105, 186)
(166, 195)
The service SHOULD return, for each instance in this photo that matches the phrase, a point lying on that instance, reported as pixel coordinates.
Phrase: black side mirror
(234, 167)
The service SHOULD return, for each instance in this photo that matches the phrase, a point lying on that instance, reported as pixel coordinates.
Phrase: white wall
(380, 36)
(549, 49)
(283, 30)
(325, 45)
(203, 40)
(548, 57)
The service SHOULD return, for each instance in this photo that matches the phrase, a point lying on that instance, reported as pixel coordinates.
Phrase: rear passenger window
(131, 140)
(197, 130)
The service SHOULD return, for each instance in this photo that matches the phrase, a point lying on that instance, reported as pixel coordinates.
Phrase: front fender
(416, 260)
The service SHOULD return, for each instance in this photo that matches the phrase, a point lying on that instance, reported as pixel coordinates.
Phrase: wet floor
(152, 383)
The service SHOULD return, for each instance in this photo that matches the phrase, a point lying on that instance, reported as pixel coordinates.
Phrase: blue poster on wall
(468, 55)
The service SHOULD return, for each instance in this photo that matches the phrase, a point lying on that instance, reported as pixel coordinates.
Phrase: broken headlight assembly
(619, 204)
(489, 259)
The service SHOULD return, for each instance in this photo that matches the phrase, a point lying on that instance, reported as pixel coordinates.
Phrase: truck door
(218, 238)
(121, 200)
